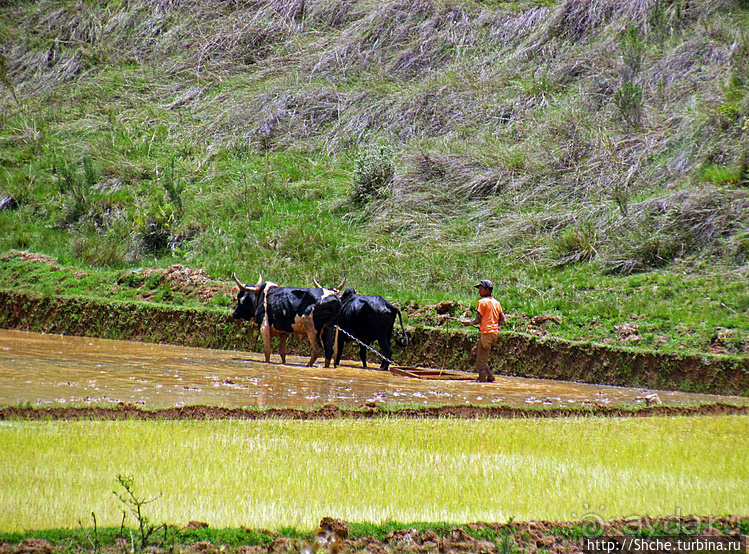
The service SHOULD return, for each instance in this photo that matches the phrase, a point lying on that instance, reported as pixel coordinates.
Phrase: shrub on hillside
(78, 200)
(629, 101)
(374, 171)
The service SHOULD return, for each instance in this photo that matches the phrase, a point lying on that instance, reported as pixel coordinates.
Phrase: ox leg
(329, 344)
(386, 351)
(363, 355)
(282, 347)
(312, 336)
(265, 334)
(340, 344)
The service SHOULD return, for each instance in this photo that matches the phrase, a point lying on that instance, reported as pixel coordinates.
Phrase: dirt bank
(516, 354)
(367, 411)
(335, 535)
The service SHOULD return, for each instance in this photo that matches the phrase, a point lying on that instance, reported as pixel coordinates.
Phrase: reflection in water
(53, 370)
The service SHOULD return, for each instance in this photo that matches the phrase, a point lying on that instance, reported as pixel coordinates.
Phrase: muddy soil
(52, 370)
(514, 537)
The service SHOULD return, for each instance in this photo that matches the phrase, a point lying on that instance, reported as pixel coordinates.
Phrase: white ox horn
(241, 286)
(339, 287)
(318, 285)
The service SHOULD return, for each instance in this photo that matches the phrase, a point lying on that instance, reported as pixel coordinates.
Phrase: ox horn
(339, 287)
(259, 279)
(318, 285)
(345, 273)
(241, 286)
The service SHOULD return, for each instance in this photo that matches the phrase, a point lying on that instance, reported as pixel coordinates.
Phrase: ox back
(280, 311)
(370, 319)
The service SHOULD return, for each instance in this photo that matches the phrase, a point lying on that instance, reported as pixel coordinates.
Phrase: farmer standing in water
(489, 318)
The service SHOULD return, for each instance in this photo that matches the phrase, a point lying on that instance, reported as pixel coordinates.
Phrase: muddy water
(57, 370)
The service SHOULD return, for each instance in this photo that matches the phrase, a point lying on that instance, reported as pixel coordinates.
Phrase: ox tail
(403, 344)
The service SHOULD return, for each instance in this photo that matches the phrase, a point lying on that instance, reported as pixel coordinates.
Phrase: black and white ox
(370, 319)
(280, 311)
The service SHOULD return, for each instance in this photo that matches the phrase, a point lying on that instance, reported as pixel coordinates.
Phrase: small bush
(78, 196)
(629, 101)
(152, 233)
(135, 505)
(373, 173)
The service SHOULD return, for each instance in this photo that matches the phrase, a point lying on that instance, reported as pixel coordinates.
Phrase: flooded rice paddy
(52, 370)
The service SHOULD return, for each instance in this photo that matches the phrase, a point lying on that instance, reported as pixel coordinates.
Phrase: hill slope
(590, 156)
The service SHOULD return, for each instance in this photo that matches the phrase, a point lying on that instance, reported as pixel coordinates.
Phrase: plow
(431, 373)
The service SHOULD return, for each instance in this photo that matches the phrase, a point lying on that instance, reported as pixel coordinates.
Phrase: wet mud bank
(516, 354)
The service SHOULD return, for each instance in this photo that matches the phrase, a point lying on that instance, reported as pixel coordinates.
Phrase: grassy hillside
(590, 156)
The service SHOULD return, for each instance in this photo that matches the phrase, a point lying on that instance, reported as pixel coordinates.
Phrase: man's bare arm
(476, 320)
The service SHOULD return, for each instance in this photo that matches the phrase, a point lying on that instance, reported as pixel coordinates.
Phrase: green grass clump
(274, 474)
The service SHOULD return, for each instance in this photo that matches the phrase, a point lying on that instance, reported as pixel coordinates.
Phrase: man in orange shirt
(489, 318)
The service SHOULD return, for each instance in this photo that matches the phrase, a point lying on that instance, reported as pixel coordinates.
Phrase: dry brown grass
(676, 226)
(503, 115)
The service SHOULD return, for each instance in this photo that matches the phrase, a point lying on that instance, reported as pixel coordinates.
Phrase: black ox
(368, 318)
(280, 311)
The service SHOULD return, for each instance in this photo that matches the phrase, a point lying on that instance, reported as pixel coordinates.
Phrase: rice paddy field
(277, 473)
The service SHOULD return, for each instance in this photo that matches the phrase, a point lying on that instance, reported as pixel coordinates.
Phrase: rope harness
(388, 360)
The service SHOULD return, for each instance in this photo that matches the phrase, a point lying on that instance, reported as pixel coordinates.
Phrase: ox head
(246, 299)
(348, 295)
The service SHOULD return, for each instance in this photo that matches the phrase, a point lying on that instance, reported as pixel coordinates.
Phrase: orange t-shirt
(491, 311)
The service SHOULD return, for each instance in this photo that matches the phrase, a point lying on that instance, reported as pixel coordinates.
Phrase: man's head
(485, 287)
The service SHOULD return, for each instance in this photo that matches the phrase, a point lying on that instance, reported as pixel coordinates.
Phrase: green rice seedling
(272, 474)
